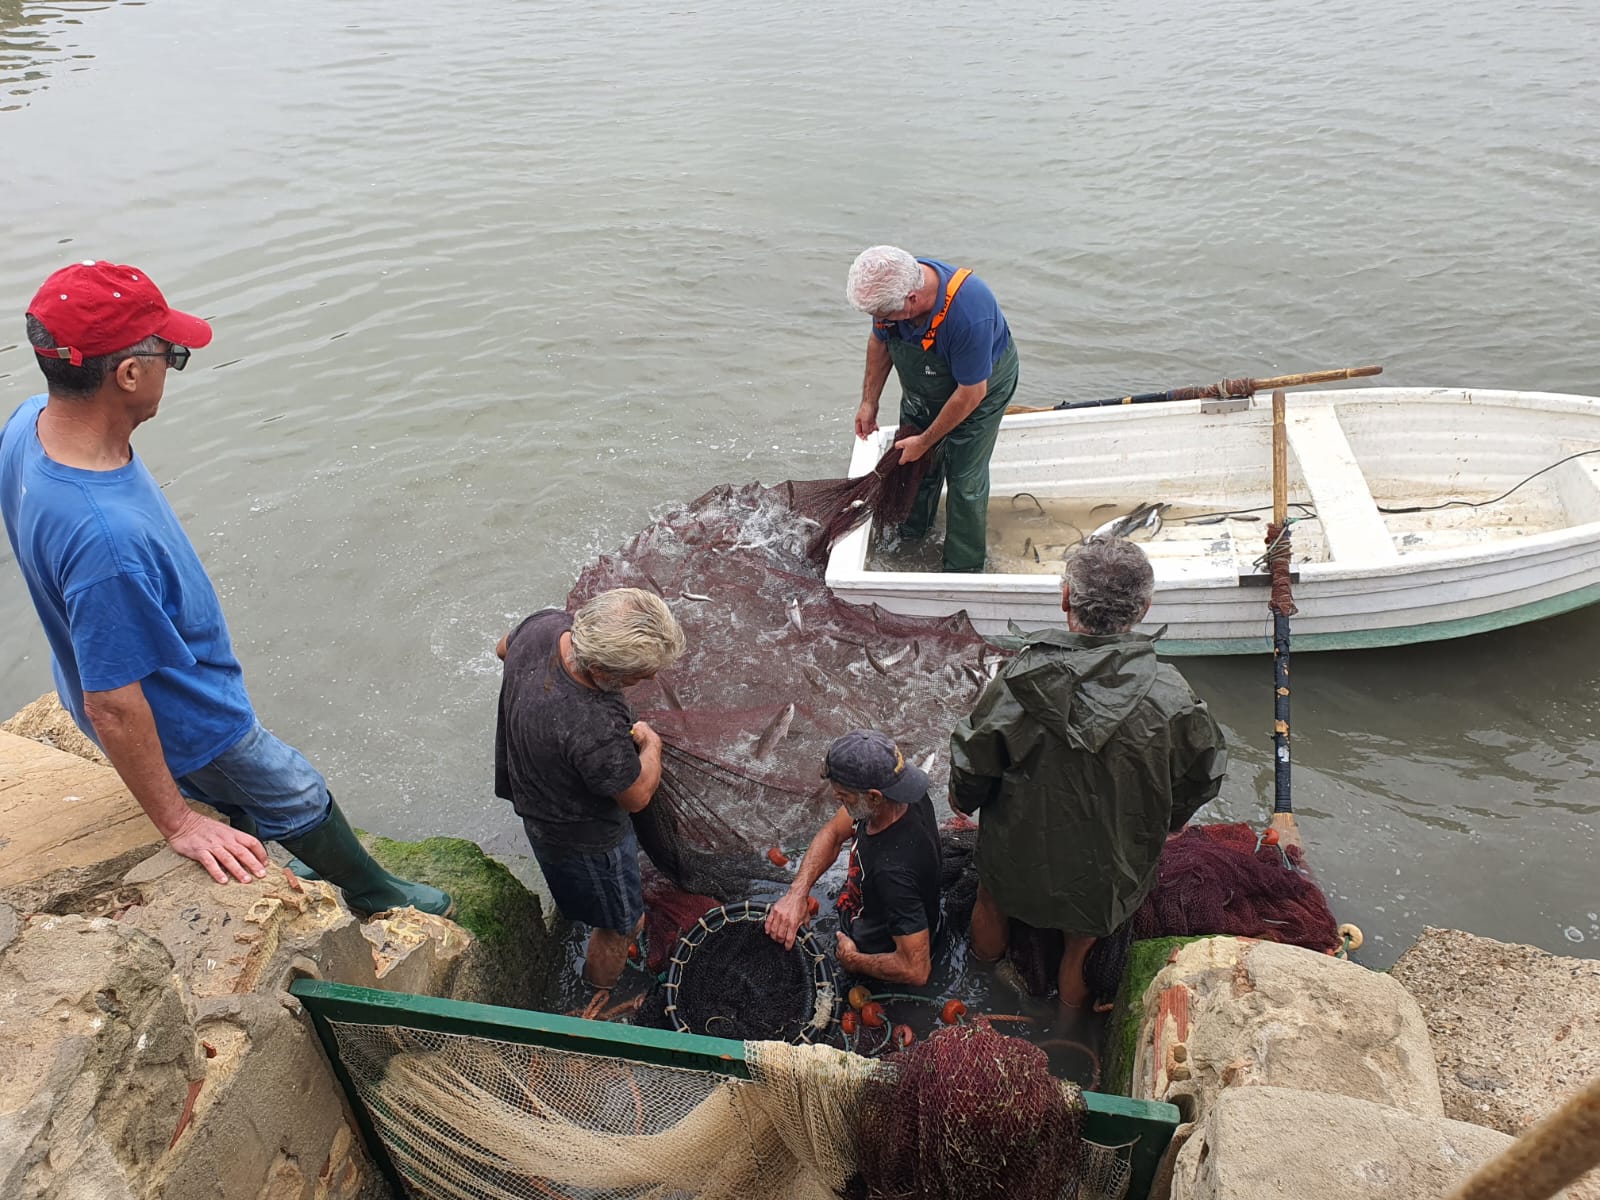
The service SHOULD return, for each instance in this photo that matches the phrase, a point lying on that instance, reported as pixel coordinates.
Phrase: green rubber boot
(332, 851)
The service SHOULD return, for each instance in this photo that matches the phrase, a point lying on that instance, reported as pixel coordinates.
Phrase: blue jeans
(266, 780)
(600, 890)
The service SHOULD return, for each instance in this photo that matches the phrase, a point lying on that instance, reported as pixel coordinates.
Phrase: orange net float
(777, 857)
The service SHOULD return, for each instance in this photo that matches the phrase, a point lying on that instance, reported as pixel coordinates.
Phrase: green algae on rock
(517, 950)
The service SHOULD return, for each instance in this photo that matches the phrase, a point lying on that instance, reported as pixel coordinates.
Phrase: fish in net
(969, 1114)
(776, 668)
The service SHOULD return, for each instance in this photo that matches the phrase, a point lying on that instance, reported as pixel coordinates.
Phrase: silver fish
(1146, 516)
(777, 729)
(882, 665)
(793, 609)
(926, 764)
(694, 596)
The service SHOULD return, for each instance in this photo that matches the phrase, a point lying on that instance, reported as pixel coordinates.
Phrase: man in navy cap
(140, 650)
(889, 911)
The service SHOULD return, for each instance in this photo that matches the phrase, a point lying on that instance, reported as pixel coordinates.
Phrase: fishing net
(472, 1118)
(776, 668)
(1211, 879)
(1217, 879)
(969, 1114)
(727, 978)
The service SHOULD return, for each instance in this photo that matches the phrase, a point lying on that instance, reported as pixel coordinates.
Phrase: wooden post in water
(1283, 607)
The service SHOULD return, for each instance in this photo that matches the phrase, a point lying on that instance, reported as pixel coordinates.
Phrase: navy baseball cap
(865, 760)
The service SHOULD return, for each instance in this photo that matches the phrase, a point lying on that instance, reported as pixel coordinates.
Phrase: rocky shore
(151, 1048)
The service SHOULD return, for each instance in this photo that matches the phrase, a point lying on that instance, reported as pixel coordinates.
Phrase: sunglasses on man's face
(177, 356)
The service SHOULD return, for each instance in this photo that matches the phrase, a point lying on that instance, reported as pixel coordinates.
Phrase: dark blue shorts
(601, 890)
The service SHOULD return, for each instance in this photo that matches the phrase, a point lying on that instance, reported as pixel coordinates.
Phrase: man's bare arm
(962, 404)
(879, 364)
(789, 913)
(636, 796)
(911, 960)
(126, 727)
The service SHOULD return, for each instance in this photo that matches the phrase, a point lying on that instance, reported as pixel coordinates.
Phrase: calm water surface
(494, 281)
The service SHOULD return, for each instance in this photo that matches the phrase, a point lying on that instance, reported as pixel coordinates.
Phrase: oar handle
(1238, 387)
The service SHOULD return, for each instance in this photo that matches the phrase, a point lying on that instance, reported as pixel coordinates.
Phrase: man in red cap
(139, 646)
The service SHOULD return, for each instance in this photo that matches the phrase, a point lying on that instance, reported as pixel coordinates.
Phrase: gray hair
(881, 278)
(78, 383)
(1109, 584)
(626, 631)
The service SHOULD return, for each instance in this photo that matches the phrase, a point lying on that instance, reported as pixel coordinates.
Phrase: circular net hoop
(727, 978)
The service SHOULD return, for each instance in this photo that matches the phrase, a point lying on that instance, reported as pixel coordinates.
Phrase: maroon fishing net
(969, 1114)
(1215, 879)
(776, 668)
(1212, 879)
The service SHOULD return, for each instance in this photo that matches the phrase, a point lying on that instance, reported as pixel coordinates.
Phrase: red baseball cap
(94, 308)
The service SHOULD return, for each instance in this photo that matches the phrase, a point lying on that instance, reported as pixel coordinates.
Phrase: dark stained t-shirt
(562, 752)
(897, 871)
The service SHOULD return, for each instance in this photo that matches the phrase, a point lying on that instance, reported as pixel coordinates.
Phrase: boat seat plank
(1351, 522)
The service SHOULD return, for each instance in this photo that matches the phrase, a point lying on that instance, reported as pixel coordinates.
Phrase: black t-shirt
(897, 872)
(562, 751)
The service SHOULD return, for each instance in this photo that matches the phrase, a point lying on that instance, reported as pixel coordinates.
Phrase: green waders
(961, 460)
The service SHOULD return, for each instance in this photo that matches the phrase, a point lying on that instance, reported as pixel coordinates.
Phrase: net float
(858, 996)
(872, 1015)
(777, 857)
(952, 1012)
(902, 1037)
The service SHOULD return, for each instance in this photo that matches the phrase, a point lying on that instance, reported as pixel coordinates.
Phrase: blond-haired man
(575, 764)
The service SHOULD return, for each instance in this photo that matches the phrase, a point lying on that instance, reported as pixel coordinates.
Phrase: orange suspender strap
(950, 291)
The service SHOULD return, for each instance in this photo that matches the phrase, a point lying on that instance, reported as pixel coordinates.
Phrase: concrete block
(1229, 1012)
(1515, 1030)
(101, 1059)
(70, 827)
(1265, 1143)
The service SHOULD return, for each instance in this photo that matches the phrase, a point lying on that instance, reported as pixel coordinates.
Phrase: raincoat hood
(1083, 686)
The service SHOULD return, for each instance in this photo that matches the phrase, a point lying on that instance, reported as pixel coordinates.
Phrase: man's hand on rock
(220, 848)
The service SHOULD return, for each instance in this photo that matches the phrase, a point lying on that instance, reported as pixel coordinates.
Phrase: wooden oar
(1283, 607)
(1213, 391)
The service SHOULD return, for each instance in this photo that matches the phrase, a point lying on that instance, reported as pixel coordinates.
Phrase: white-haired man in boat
(941, 330)
(1081, 756)
(575, 764)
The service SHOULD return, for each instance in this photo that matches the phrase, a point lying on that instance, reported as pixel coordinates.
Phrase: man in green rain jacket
(941, 331)
(1082, 755)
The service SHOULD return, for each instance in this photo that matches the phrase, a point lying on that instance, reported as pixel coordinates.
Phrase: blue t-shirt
(974, 334)
(121, 594)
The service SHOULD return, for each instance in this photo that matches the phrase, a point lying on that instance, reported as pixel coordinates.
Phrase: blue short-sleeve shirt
(974, 334)
(121, 594)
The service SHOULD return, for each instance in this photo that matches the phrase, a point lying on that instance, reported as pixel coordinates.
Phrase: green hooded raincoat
(1083, 754)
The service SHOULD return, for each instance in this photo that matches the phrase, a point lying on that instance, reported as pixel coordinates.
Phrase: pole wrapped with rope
(1280, 544)
(1226, 389)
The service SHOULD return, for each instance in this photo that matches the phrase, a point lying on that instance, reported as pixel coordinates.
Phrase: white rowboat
(1365, 577)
